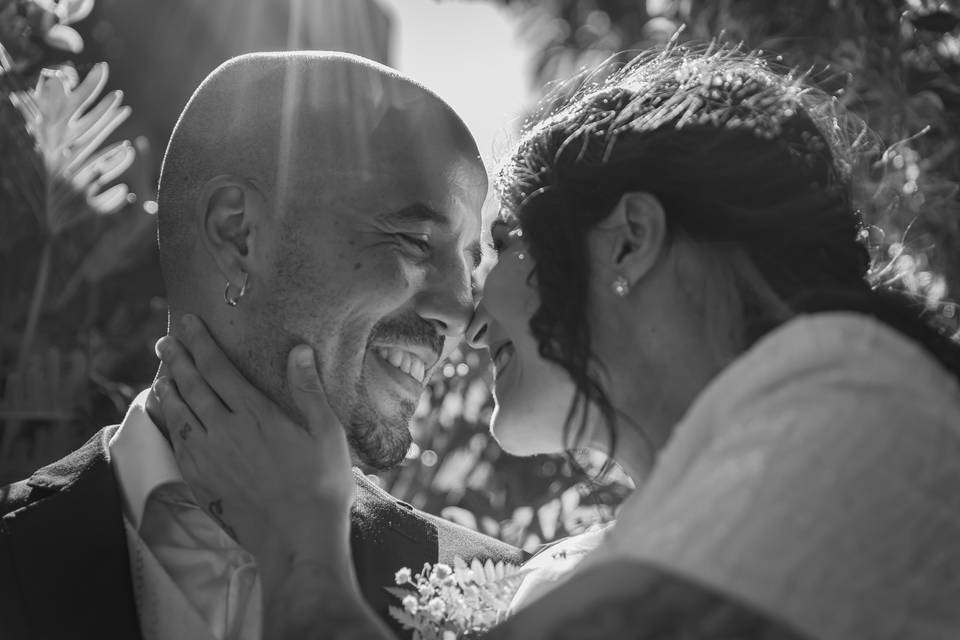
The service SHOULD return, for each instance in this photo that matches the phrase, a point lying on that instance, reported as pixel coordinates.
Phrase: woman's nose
(476, 333)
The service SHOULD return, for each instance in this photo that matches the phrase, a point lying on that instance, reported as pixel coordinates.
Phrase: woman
(681, 281)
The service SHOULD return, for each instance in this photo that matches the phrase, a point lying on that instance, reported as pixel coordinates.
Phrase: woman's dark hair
(738, 155)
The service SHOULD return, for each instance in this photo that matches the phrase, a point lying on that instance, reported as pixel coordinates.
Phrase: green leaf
(401, 616)
(400, 592)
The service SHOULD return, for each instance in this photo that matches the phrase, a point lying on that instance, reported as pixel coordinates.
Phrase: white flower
(410, 604)
(437, 607)
(450, 603)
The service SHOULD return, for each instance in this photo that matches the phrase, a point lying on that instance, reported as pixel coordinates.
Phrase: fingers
(191, 386)
(307, 390)
(214, 365)
(183, 427)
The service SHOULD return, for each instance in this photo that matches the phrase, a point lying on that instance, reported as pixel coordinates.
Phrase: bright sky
(469, 53)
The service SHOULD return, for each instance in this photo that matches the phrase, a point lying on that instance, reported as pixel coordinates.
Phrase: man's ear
(231, 211)
(636, 234)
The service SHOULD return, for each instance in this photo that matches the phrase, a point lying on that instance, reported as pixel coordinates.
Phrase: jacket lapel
(70, 550)
(386, 535)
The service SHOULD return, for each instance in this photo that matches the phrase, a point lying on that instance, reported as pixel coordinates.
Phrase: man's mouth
(406, 361)
(501, 355)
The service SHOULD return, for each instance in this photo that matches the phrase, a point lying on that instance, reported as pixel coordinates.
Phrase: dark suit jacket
(64, 568)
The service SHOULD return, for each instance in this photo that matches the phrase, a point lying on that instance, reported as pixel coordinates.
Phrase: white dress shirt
(214, 575)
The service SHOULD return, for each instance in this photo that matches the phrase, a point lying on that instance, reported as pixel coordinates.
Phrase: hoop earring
(620, 286)
(230, 300)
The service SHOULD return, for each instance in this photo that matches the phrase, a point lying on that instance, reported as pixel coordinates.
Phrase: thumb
(306, 388)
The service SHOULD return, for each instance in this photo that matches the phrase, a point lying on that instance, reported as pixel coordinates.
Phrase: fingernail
(161, 347)
(161, 386)
(304, 356)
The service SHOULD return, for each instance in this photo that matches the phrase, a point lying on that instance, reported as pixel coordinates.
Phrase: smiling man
(304, 197)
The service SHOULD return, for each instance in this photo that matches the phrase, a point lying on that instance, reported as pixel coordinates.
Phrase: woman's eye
(501, 235)
(501, 241)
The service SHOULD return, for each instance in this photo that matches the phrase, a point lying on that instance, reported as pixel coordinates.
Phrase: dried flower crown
(720, 88)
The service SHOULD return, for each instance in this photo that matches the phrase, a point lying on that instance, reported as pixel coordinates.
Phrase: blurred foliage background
(81, 299)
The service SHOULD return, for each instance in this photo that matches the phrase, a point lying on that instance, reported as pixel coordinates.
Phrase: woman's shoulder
(837, 356)
(835, 434)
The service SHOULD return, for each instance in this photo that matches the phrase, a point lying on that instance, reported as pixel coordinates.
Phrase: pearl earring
(620, 286)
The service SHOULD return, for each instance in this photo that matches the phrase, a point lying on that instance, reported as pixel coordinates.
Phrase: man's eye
(419, 242)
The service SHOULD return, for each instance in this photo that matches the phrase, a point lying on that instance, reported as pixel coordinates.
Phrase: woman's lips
(502, 356)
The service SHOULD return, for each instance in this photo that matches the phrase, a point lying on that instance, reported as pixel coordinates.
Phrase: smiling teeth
(405, 361)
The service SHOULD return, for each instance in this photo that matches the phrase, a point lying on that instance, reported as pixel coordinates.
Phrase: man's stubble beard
(378, 441)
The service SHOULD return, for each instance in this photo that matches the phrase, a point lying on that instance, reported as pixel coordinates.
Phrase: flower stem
(36, 304)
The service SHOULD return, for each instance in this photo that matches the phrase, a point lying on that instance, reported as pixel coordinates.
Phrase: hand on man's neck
(152, 406)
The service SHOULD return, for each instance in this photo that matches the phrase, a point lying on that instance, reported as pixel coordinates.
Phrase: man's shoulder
(456, 540)
(57, 475)
(17, 495)
(452, 539)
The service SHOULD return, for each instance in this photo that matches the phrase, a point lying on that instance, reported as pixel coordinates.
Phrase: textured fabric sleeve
(832, 503)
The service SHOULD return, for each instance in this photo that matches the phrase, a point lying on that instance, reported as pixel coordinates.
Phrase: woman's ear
(231, 211)
(636, 234)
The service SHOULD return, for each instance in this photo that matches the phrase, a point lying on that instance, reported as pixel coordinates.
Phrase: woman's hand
(281, 489)
(274, 485)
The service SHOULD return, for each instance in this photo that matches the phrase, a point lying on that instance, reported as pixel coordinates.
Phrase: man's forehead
(462, 220)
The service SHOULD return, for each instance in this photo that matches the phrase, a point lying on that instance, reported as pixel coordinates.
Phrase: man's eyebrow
(414, 213)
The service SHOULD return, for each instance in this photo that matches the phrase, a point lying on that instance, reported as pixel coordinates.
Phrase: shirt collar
(142, 459)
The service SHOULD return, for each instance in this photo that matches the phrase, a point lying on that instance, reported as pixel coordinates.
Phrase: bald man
(304, 197)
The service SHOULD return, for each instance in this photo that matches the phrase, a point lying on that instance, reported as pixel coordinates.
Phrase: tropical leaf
(68, 135)
(65, 38)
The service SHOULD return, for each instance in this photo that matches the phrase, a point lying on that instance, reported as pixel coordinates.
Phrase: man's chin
(377, 455)
(380, 442)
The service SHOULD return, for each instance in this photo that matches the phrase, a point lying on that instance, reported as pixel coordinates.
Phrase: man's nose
(447, 300)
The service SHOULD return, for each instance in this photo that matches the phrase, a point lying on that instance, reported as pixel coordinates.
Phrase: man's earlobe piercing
(620, 286)
(233, 300)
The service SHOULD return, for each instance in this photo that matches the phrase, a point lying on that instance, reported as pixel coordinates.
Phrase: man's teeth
(405, 361)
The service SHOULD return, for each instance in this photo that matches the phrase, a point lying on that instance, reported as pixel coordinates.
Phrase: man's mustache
(408, 330)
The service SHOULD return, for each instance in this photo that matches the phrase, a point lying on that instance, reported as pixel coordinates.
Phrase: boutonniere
(451, 603)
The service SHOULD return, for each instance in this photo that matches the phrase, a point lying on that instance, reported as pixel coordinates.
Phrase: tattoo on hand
(216, 510)
(185, 430)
